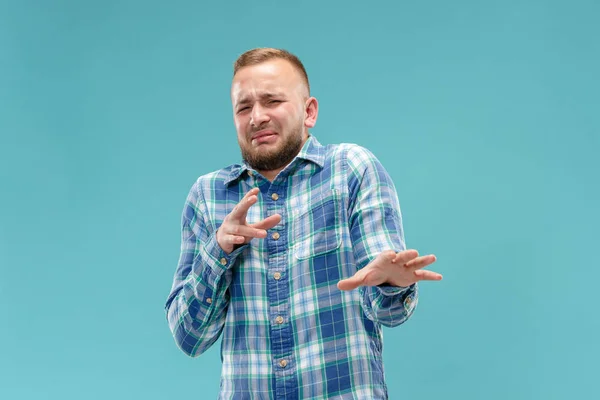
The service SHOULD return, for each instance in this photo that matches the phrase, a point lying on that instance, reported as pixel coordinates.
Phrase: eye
(243, 109)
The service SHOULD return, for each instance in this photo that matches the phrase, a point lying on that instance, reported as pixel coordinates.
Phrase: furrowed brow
(271, 95)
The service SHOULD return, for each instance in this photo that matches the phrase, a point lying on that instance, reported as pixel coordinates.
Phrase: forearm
(197, 304)
(196, 315)
(384, 304)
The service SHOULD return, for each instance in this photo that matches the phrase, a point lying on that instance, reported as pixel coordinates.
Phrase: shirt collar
(312, 151)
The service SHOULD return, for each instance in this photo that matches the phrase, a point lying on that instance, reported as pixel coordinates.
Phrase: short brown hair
(260, 55)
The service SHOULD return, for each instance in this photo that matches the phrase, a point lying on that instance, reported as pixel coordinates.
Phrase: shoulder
(352, 155)
(217, 178)
(212, 182)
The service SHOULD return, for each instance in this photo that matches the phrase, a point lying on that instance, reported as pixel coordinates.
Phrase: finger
(241, 209)
(353, 282)
(268, 222)
(421, 262)
(234, 239)
(425, 275)
(349, 284)
(405, 256)
(244, 230)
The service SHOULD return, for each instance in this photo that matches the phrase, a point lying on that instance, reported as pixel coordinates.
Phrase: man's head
(272, 107)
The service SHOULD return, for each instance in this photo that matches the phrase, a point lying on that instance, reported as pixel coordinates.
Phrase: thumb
(368, 275)
(268, 222)
(352, 282)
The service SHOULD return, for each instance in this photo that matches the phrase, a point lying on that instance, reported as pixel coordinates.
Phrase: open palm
(395, 269)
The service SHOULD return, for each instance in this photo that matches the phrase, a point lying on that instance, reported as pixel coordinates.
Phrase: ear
(311, 111)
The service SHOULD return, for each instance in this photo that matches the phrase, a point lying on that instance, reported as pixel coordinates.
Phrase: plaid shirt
(287, 331)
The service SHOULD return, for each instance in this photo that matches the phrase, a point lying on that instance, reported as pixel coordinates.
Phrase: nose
(259, 116)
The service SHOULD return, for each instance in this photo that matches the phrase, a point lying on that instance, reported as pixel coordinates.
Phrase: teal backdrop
(486, 115)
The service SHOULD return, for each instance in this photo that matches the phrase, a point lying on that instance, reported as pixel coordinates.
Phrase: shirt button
(223, 261)
(283, 363)
(275, 236)
(277, 276)
(209, 300)
(279, 320)
(275, 196)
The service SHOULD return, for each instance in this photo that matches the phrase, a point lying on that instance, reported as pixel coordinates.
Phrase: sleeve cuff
(221, 259)
(388, 290)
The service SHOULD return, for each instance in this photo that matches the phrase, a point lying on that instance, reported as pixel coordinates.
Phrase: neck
(272, 174)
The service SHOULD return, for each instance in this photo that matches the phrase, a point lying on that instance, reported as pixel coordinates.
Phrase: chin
(275, 144)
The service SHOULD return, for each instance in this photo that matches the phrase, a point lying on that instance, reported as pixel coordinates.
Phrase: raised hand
(235, 231)
(394, 269)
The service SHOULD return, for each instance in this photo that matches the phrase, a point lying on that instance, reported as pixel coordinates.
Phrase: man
(296, 256)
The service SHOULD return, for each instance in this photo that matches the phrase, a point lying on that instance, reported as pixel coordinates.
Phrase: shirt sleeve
(197, 304)
(375, 223)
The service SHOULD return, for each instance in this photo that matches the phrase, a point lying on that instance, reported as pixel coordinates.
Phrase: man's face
(269, 107)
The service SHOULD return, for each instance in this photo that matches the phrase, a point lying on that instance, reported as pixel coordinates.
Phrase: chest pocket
(317, 226)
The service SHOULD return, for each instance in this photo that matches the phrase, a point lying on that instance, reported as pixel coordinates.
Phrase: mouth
(263, 136)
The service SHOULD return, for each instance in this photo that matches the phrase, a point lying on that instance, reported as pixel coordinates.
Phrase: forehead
(270, 77)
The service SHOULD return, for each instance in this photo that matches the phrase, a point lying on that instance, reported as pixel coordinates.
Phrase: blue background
(484, 113)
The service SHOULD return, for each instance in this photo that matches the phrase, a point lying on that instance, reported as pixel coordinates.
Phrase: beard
(275, 158)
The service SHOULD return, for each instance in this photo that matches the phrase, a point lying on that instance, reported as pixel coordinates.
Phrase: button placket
(278, 288)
